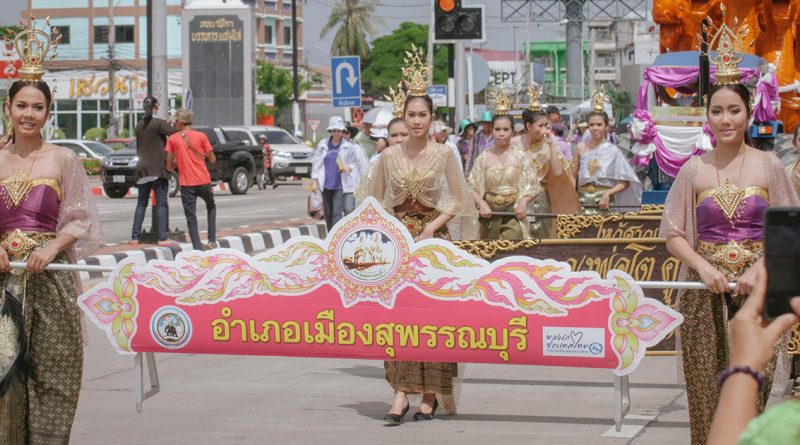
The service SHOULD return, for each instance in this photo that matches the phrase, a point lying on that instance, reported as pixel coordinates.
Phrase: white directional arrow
(351, 78)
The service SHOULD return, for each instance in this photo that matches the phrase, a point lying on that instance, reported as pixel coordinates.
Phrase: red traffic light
(446, 5)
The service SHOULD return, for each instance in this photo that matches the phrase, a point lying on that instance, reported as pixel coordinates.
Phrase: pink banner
(369, 291)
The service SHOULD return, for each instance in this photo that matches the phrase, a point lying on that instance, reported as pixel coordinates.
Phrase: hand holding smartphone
(782, 259)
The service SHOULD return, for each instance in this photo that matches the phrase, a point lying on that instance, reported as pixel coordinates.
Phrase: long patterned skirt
(40, 409)
(423, 377)
(589, 196)
(505, 227)
(541, 228)
(704, 342)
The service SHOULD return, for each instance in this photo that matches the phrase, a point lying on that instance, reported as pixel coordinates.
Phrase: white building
(619, 50)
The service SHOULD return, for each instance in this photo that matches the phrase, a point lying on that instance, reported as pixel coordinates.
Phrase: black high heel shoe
(419, 415)
(396, 419)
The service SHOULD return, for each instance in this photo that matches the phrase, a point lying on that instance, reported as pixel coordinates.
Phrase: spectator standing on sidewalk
(262, 140)
(151, 172)
(338, 167)
(189, 150)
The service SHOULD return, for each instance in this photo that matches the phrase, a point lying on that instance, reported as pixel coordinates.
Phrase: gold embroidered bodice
(502, 179)
(15, 188)
(753, 190)
(437, 183)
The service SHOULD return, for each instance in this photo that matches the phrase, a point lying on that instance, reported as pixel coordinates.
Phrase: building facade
(84, 53)
(553, 56)
(616, 46)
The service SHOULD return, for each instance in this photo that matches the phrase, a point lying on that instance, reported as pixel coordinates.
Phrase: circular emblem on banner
(595, 348)
(369, 255)
(171, 327)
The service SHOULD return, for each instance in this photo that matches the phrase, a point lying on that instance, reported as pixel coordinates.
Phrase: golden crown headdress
(728, 42)
(502, 104)
(535, 97)
(32, 45)
(416, 74)
(598, 100)
(398, 100)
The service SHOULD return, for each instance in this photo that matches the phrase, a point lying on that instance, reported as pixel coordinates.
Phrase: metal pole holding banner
(622, 400)
(138, 378)
(67, 267)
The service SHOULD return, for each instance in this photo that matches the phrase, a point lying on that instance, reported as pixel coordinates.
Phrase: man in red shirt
(190, 149)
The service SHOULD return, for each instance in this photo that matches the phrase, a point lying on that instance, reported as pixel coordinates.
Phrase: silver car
(289, 157)
(85, 149)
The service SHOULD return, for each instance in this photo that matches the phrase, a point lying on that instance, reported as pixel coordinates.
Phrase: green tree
(386, 60)
(356, 20)
(271, 79)
(9, 31)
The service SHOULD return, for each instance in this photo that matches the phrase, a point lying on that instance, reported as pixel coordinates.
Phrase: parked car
(119, 143)
(118, 170)
(238, 164)
(290, 157)
(85, 149)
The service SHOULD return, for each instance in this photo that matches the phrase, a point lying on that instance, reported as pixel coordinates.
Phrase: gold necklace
(728, 196)
(18, 185)
(414, 181)
(497, 171)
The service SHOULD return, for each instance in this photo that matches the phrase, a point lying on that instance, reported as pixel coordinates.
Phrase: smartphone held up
(782, 259)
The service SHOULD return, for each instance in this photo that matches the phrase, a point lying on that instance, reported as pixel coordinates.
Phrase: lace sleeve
(530, 175)
(456, 200)
(477, 176)
(679, 217)
(78, 215)
(376, 184)
(781, 190)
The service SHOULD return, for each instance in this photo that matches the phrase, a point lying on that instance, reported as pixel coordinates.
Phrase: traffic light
(454, 22)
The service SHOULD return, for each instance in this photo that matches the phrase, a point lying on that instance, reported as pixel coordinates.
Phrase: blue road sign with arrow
(346, 81)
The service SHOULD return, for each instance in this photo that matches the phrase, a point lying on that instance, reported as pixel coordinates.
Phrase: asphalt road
(256, 207)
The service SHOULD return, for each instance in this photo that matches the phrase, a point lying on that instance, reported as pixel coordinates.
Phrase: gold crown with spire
(728, 42)
(502, 103)
(598, 100)
(32, 45)
(416, 73)
(398, 100)
(535, 96)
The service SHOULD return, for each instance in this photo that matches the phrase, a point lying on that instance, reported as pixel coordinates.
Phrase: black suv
(238, 164)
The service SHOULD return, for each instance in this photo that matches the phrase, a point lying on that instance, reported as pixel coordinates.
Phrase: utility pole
(296, 80)
(112, 75)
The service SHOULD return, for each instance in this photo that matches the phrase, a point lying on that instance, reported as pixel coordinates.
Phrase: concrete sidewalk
(212, 399)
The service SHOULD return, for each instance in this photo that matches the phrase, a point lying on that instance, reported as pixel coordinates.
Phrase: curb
(246, 242)
(97, 190)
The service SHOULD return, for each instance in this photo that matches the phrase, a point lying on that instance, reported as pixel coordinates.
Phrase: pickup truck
(238, 164)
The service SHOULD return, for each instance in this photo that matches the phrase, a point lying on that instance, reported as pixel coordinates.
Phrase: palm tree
(355, 19)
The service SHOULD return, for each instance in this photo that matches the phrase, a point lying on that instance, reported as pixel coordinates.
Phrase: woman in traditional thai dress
(605, 178)
(501, 181)
(420, 182)
(46, 216)
(714, 224)
(550, 175)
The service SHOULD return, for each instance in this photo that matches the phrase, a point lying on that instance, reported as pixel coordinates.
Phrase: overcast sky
(393, 12)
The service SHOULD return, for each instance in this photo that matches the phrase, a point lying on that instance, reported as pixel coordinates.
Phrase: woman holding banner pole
(714, 224)
(46, 216)
(420, 182)
(500, 180)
